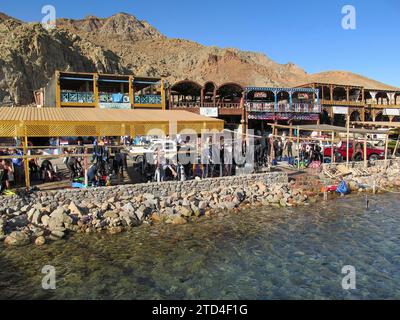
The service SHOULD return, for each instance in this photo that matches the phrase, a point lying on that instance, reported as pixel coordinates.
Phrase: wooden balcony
(342, 103)
(283, 108)
(224, 108)
(382, 106)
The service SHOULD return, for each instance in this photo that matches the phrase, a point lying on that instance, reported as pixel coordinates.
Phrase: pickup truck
(373, 153)
(169, 148)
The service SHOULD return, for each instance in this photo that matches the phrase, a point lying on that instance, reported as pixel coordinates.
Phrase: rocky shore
(43, 217)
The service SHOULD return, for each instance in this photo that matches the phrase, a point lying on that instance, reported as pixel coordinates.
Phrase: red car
(373, 153)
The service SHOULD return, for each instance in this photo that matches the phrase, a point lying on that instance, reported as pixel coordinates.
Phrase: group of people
(12, 172)
(104, 162)
(311, 152)
(268, 148)
(215, 159)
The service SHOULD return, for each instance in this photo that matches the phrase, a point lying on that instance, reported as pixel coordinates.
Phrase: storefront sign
(260, 94)
(391, 112)
(209, 112)
(111, 105)
(340, 110)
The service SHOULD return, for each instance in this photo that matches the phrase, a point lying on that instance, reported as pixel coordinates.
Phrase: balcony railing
(148, 99)
(224, 105)
(341, 102)
(186, 105)
(77, 97)
(198, 104)
(105, 97)
(286, 107)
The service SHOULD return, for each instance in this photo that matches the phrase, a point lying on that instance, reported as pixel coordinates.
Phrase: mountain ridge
(124, 44)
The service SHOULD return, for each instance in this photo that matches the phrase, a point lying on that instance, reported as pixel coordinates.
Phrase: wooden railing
(225, 105)
(188, 105)
(287, 107)
(342, 103)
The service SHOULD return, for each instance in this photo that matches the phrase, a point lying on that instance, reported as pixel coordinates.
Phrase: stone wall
(163, 188)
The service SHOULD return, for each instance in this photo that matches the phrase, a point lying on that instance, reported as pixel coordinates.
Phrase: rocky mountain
(29, 55)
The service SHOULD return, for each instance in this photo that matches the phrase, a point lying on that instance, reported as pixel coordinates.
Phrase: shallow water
(262, 254)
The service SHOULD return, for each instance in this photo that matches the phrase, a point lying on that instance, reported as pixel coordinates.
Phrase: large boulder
(17, 238)
(57, 218)
(19, 221)
(111, 215)
(75, 210)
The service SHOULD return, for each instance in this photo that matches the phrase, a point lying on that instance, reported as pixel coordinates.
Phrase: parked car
(169, 148)
(373, 153)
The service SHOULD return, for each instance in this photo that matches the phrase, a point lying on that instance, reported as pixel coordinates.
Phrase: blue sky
(308, 32)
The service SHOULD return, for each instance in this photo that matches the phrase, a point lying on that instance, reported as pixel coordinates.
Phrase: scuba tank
(182, 175)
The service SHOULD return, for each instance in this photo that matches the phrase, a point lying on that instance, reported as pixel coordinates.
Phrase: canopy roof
(330, 128)
(60, 122)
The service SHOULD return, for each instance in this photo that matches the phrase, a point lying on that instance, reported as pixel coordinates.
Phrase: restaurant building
(360, 103)
(104, 91)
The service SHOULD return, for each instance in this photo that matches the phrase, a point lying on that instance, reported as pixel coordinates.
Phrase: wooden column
(397, 145)
(243, 120)
(331, 86)
(348, 139)
(26, 162)
(386, 148)
(163, 96)
(332, 148)
(347, 94)
(298, 148)
(96, 90)
(365, 152)
(58, 90)
(131, 93)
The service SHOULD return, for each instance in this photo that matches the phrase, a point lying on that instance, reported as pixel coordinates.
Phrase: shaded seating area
(29, 122)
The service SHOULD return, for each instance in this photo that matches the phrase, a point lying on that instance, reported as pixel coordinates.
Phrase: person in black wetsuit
(46, 170)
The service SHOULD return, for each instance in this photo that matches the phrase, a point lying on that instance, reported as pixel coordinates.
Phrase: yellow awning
(61, 122)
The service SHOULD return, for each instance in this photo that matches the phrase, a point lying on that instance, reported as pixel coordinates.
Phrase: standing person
(290, 148)
(206, 157)
(284, 147)
(7, 168)
(159, 174)
(264, 148)
(276, 148)
(318, 151)
(222, 157)
(18, 166)
(358, 153)
(228, 154)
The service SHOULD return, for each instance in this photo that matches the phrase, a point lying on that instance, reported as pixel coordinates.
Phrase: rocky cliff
(29, 55)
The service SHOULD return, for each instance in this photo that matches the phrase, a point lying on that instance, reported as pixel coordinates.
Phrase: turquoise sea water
(261, 254)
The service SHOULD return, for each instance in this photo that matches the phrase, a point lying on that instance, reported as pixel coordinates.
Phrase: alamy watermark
(349, 20)
(49, 19)
(49, 280)
(349, 280)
